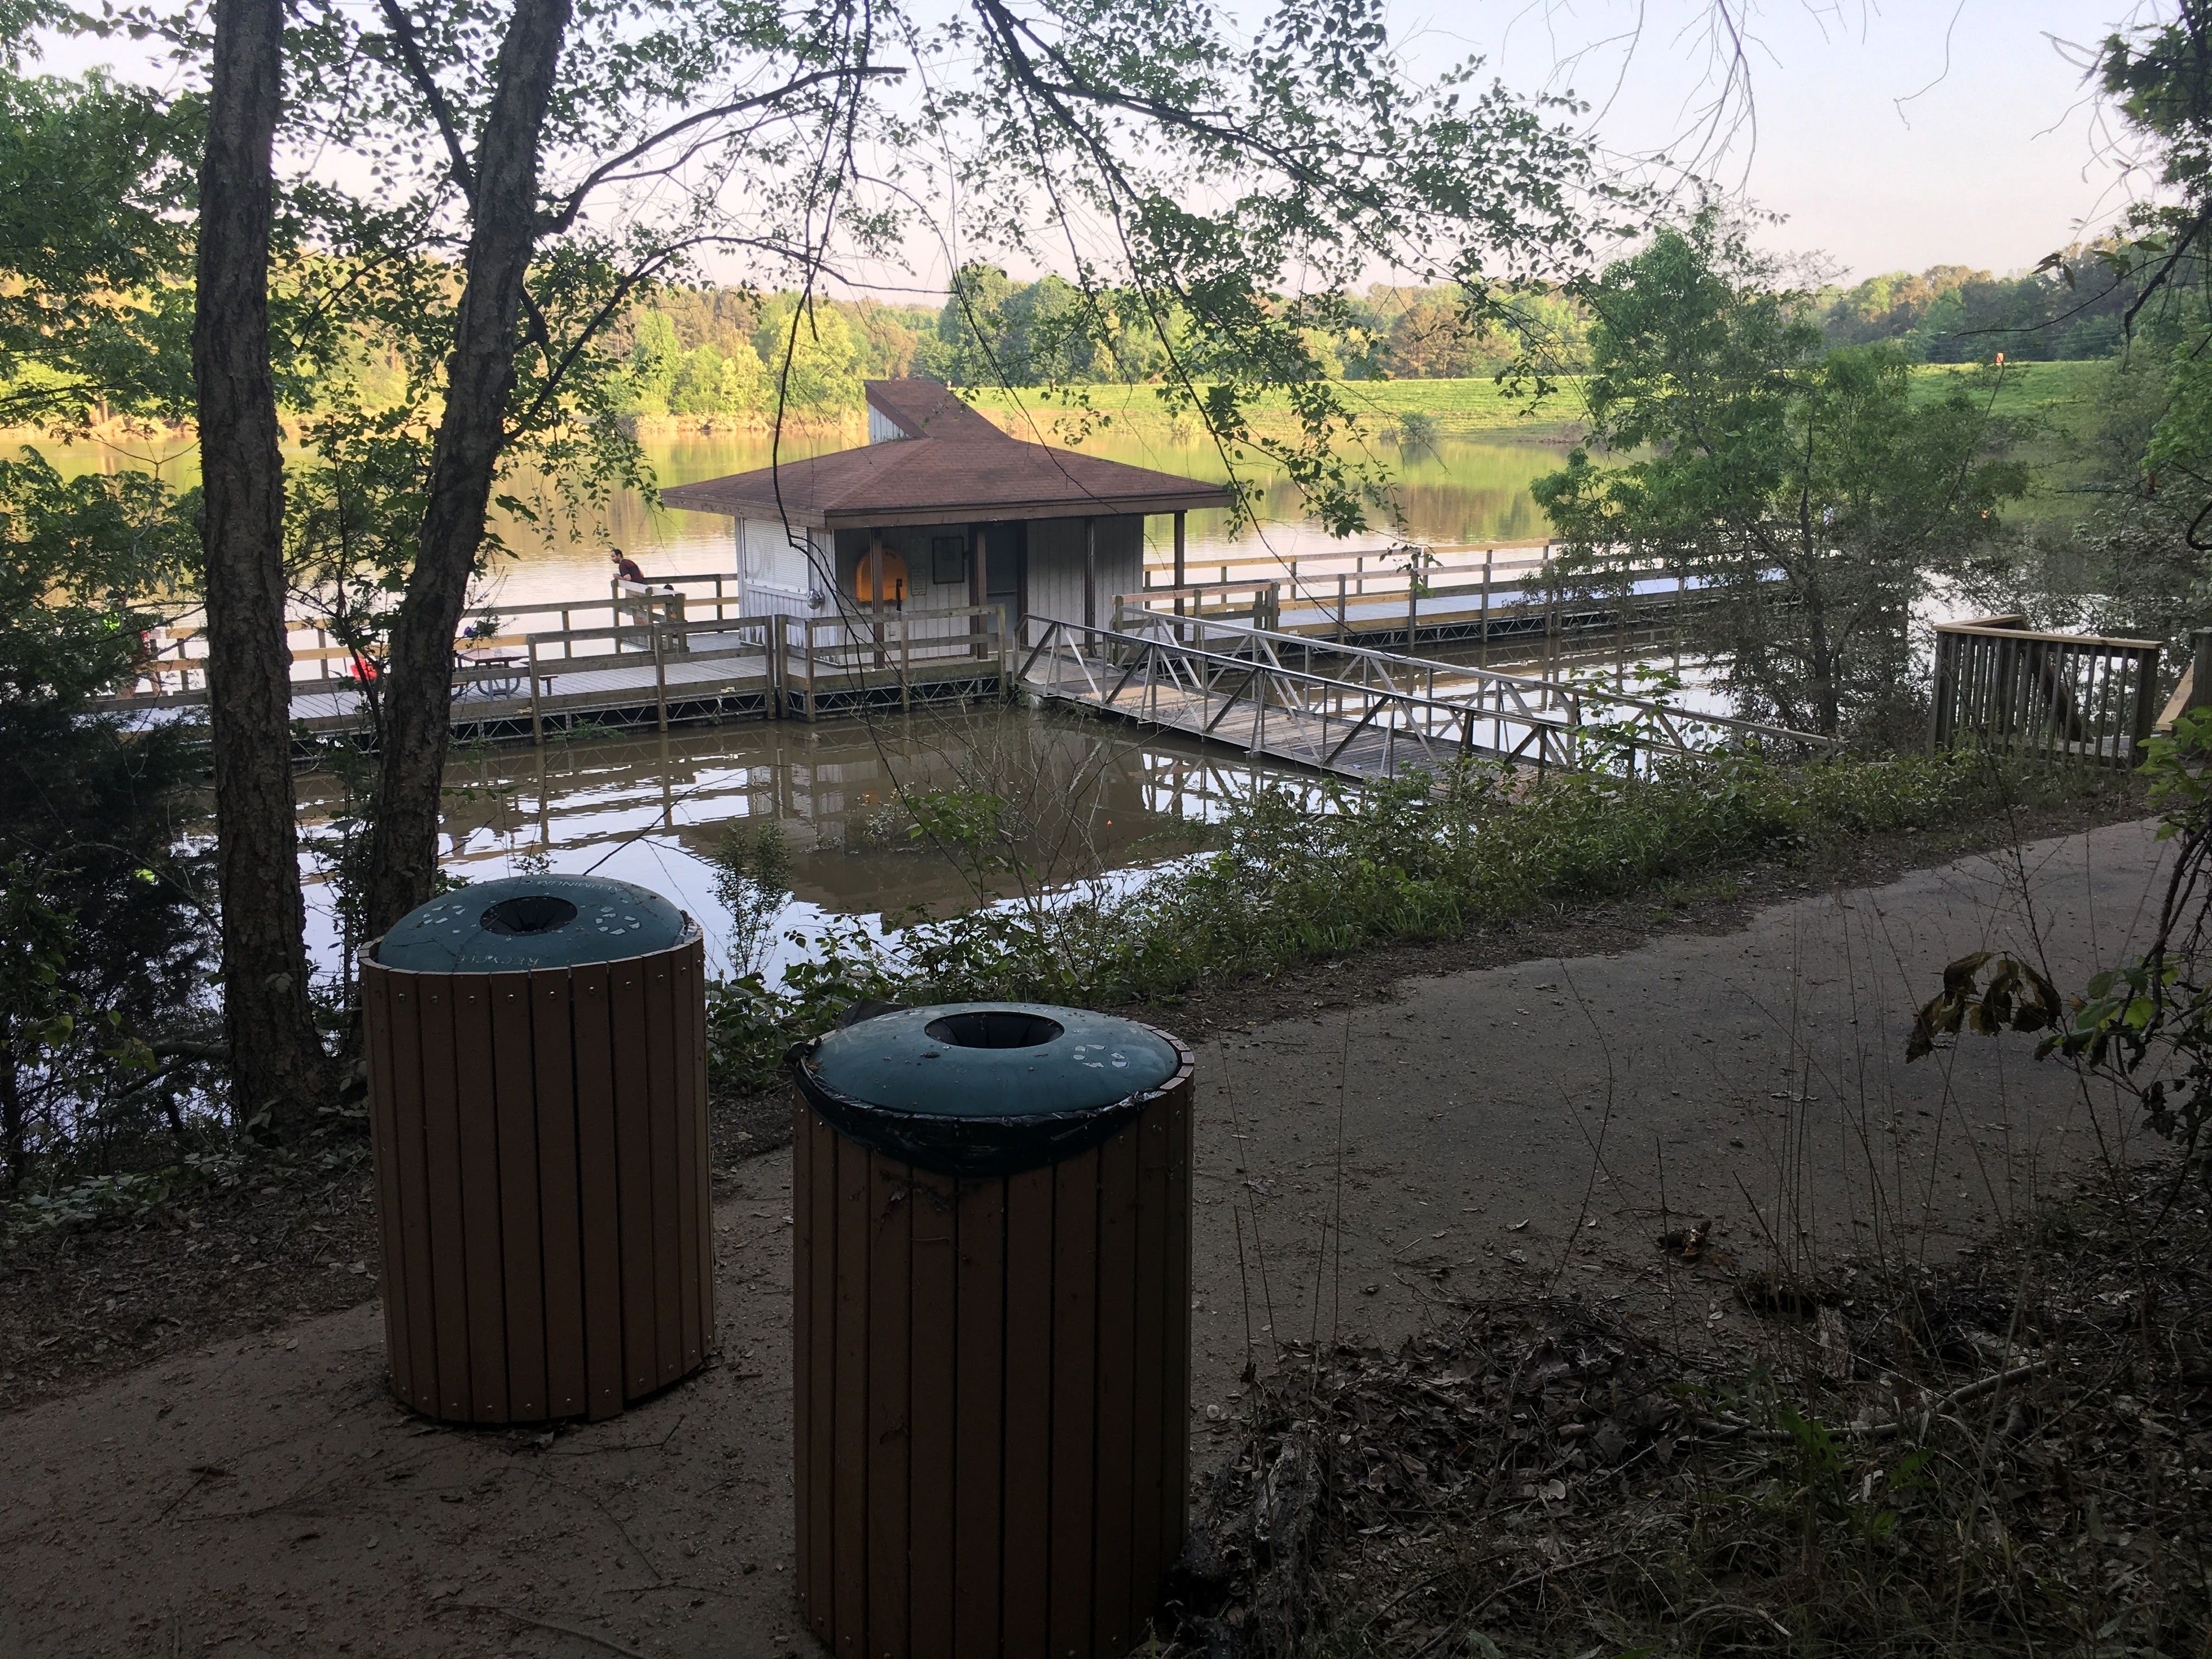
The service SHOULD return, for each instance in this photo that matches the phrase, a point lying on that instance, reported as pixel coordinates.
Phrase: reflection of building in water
(1082, 800)
(942, 510)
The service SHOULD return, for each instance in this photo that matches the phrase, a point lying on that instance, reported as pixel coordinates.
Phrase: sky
(1890, 134)
(1893, 136)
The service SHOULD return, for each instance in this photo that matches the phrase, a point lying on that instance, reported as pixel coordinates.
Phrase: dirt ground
(1525, 1129)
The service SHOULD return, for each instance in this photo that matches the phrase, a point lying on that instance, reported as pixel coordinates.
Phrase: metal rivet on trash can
(541, 1151)
(991, 1333)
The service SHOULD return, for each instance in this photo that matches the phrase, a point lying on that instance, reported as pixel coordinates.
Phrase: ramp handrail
(1668, 717)
(1661, 729)
(1338, 711)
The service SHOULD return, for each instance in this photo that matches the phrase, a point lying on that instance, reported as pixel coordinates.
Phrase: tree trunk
(1825, 661)
(11, 1121)
(276, 1060)
(479, 381)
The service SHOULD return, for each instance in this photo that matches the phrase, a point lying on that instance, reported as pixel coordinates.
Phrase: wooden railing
(2072, 697)
(1366, 572)
(818, 658)
(176, 661)
(654, 651)
(1405, 592)
(1259, 600)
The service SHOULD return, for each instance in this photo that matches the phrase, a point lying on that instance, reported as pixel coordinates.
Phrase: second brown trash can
(537, 1102)
(992, 1330)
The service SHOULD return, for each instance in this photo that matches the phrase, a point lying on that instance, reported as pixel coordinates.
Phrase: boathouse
(941, 510)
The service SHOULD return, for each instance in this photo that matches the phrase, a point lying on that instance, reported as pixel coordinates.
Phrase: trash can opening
(984, 1089)
(529, 913)
(995, 1028)
(522, 923)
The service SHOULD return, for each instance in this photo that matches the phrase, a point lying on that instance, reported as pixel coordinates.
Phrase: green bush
(1424, 859)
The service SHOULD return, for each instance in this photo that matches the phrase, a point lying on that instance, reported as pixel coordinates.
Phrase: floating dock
(655, 661)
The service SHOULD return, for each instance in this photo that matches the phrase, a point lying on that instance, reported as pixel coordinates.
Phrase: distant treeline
(721, 351)
(709, 351)
(2071, 308)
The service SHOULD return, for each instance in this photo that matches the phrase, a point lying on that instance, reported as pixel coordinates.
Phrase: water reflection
(1084, 800)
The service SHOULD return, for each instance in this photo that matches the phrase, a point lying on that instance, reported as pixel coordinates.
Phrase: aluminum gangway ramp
(1355, 713)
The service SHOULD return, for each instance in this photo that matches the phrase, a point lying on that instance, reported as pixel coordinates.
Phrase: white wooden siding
(1055, 572)
(776, 578)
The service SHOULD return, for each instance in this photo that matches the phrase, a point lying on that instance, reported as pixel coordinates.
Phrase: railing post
(660, 678)
(2146, 696)
(775, 624)
(2200, 667)
(1339, 608)
(1181, 580)
(1488, 554)
(906, 665)
(1943, 710)
(809, 648)
(537, 719)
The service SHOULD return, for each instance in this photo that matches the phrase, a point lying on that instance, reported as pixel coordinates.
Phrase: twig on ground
(535, 1623)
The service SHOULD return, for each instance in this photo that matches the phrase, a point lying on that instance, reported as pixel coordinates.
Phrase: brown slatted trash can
(991, 1279)
(537, 1095)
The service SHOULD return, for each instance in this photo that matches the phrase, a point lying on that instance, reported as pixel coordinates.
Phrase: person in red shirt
(625, 567)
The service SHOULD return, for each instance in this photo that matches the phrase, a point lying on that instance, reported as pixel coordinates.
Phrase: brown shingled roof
(955, 466)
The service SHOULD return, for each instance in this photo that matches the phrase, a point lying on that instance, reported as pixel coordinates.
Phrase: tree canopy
(1807, 490)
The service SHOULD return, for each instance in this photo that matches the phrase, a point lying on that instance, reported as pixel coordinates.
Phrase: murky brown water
(1084, 800)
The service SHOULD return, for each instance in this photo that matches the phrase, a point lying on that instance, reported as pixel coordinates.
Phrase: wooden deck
(652, 665)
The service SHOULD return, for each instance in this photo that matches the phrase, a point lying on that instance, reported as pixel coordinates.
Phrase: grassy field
(1461, 407)
(2059, 399)
(2062, 394)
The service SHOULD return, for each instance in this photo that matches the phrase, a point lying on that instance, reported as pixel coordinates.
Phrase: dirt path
(1504, 1131)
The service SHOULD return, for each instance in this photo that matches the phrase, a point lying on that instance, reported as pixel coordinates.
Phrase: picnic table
(493, 683)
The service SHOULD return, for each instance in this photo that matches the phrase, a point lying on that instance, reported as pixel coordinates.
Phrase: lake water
(1085, 801)
(1090, 801)
(1452, 491)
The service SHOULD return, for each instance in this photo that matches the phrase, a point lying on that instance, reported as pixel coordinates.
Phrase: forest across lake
(1462, 454)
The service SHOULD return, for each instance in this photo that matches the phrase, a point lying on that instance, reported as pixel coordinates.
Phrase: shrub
(1425, 857)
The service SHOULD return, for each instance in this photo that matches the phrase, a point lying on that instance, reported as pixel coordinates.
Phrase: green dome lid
(993, 1059)
(532, 922)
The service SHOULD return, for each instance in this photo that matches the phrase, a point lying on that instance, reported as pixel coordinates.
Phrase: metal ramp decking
(1366, 715)
(1375, 717)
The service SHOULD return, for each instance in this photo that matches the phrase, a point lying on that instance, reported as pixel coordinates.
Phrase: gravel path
(1510, 1131)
